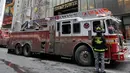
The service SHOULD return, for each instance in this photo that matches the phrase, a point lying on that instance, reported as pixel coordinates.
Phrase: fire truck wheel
(26, 50)
(83, 56)
(18, 49)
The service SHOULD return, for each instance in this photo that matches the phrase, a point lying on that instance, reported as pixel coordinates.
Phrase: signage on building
(7, 20)
(8, 13)
(66, 5)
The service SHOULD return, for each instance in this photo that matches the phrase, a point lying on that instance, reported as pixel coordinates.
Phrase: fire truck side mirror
(89, 34)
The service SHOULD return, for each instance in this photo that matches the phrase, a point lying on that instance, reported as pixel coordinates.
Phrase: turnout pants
(99, 59)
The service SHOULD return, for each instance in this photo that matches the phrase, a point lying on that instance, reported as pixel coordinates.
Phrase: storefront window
(51, 3)
(127, 31)
(121, 5)
(58, 2)
(54, 2)
(84, 5)
(120, 2)
(127, 5)
(127, 26)
(87, 4)
(91, 4)
(99, 3)
(62, 1)
(67, 1)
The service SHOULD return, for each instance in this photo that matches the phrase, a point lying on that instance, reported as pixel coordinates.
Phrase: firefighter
(99, 47)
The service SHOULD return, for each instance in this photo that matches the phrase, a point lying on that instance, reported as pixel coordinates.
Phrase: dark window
(66, 29)
(76, 27)
(66, 22)
(58, 26)
(96, 24)
(112, 26)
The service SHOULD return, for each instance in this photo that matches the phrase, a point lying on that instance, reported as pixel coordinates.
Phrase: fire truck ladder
(27, 24)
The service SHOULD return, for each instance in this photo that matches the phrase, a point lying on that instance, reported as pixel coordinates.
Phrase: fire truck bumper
(122, 55)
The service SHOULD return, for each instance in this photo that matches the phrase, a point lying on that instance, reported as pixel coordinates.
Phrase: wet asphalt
(11, 63)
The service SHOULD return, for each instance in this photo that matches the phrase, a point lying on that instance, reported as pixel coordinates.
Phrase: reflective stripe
(100, 50)
(98, 40)
(98, 28)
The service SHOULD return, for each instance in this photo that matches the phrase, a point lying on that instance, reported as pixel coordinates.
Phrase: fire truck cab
(69, 35)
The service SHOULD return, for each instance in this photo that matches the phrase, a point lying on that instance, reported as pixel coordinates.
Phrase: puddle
(15, 67)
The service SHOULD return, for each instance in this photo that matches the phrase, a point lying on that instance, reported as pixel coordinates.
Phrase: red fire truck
(69, 35)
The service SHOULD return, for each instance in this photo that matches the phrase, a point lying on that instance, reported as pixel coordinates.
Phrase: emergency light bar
(101, 15)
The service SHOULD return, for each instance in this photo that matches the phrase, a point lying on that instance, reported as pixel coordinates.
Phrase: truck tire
(27, 50)
(83, 56)
(18, 49)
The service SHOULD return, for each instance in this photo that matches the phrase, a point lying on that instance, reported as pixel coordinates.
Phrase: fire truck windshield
(113, 27)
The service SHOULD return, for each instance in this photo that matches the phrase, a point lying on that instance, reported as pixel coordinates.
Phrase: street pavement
(10, 63)
(5, 69)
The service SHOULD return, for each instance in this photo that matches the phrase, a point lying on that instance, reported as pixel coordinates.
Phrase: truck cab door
(52, 36)
(57, 38)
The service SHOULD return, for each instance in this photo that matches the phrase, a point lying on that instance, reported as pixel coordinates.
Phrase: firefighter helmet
(98, 29)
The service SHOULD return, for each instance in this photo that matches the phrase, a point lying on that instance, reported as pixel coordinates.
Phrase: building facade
(119, 8)
(22, 13)
(2, 6)
(26, 10)
(8, 13)
(45, 8)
